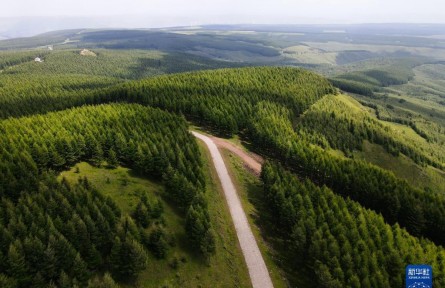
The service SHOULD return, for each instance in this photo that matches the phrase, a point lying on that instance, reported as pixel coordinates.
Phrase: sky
(189, 12)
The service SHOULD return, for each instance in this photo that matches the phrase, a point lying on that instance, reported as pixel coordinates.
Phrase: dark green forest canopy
(228, 100)
(236, 99)
(225, 98)
(262, 104)
(153, 142)
(58, 140)
(420, 212)
(66, 78)
(347, 245)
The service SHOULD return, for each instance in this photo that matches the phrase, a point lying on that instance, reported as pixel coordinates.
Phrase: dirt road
(259, 275)
(252, 161)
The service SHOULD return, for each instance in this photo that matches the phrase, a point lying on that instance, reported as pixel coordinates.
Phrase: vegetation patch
(327, 233)
(96, 234)
(171, 259)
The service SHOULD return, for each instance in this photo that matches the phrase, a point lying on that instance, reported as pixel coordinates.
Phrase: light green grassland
(339, 46)
(111, 182)
(225, 269)
(310, 55)
(403, 167)
(424, 93)
(406, 134)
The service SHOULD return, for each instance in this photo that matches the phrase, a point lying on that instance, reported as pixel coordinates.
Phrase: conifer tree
(141, 215)
(112, 160)
(17, 267)
(7, 282)
(79, 270)
(106, 282)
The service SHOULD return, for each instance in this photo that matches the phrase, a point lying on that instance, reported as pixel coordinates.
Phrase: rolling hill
(352, 190)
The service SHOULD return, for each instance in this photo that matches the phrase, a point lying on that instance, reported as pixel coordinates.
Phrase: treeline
(367, 82)
(56, 235)
(22, 94)
(221, 99)
(345, 244)
(62, 235)
(354, 87)
(151, 141)
(8, 59)
(421, 213)
(224, 99)
(67, 79)
(345, 126)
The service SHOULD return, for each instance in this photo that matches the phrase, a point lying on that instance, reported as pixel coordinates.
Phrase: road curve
(259, 275)
(251, 161)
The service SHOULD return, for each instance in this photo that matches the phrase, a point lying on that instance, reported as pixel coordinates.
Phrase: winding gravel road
(259, 275)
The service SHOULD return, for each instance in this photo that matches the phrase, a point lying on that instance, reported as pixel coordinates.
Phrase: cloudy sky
(187, 12)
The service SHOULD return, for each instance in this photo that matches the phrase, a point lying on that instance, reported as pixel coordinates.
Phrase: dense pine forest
(349, 222)
(66, 78)
(347, 245)
(43, 221)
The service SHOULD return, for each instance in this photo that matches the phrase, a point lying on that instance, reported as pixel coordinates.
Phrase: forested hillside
(370, 80)
(347, 245)
(66, 78)
(224, 99)
(373, 187)
(345, 124)
(349, 222)
(43, 221)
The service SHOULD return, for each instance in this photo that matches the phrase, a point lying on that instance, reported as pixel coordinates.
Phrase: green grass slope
(181, 266)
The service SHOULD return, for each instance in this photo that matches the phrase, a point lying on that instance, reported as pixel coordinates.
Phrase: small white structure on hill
(86, 52)
(50, 48)
(38, 60)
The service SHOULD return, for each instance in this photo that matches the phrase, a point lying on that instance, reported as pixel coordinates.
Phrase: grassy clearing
(403, 167)
(121, 184)
(182, 267)
(250, 191)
